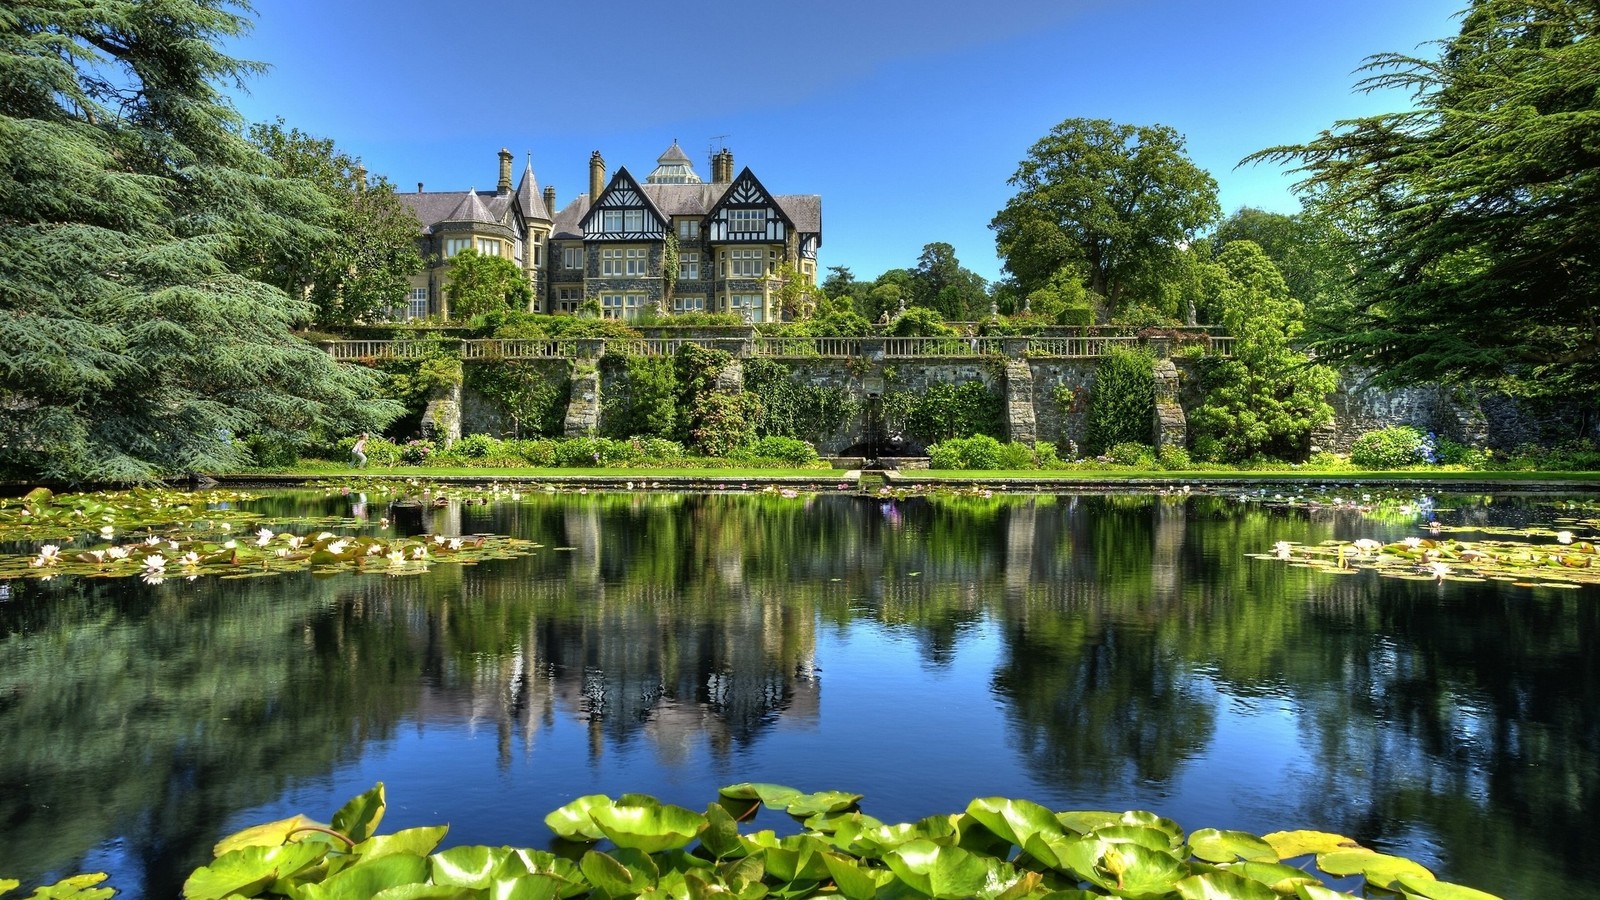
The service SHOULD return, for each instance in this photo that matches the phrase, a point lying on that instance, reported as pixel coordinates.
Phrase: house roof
(529, 196)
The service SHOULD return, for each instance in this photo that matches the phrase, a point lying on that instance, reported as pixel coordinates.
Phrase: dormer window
(747, 220)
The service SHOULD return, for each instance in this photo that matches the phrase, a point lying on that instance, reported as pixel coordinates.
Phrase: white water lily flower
(263, 537)
(439, 539)
(48, 556)
(230, 545)
(1412, 542)
(107, 531)
(152, 540)
(1564, 537)
(152, 576)
(455, 543)
(190, 559)
(419, 552)
(338, 547)
(227, 526)
(1438, 570)
(396, 557)
(117, 552)
(325, 535)
(1367, 545)
(295, 541)
(155, 561)
(374, 549)
(99, 555)
(282, 552)
(1282, 548)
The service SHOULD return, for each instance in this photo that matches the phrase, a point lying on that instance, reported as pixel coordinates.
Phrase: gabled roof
(748, 177)
(624, 181)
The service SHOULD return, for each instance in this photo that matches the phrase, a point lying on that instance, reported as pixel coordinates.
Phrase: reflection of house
(735, 241)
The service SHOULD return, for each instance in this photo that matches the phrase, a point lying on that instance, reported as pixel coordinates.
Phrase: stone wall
(1054, 407)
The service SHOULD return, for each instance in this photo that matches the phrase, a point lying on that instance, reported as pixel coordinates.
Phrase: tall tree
(941, 283)
(132, 344)
(1473, 216)
(480, 284)
(1115, 203)
(1268, 397)
(358, 268)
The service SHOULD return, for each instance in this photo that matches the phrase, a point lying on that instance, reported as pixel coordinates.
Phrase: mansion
(733, 238)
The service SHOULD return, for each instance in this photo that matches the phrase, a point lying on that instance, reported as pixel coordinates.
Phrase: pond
(1083, 651)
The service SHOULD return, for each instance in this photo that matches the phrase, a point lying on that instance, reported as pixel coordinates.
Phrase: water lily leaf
(1223, 886)
(1143, 835)
(1151, 820)
(1130, 870)
(423, 892)
(744, 877)
(796, 858)
(1417, 886)
(1281, 878)
(270, 834)
(1085, 821)
(648, 828)
(572, 821)
(807, 805)
(830, 823)
(1380, 869)
(773, 796)
(941, 871)
(248, 868)
(358, 819)
(369, 879)
(9, 884)
(721, 835)
(1320, 892)
(855, 881)
(76, 887)
(1212, 845)
(1290, 844)
(418, 841)
(471, 867)
(609, 875)
(1014, 820)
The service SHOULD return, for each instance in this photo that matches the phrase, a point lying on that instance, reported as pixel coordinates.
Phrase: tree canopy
(1114, 204)
(480, 284)
(358, 268)
(941, 283)
(1471, 218)
(134, 343)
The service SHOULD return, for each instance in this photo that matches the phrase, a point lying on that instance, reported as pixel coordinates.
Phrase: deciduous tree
(480, 284)
(1115, 203)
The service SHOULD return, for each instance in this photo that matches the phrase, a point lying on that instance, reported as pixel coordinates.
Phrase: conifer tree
(133, 345)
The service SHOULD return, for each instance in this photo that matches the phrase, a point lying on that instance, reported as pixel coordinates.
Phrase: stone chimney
(504, 187)
(550, 199)
(419, 187)
(722, 167)
(361, 177)
(597, 176)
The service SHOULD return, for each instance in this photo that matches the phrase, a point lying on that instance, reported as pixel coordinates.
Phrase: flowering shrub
(416, 453)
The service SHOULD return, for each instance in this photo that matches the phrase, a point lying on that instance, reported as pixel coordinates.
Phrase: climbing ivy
(942, 411)
(640, 397)
(528, 392)
(790, 408)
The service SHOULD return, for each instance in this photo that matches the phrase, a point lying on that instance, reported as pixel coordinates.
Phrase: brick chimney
(597, 176)
(550, 199)
(504, 187)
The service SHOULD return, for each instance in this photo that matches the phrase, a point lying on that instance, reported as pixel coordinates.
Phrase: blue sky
(907, 117)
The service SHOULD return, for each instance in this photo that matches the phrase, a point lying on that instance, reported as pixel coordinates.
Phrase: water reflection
(1081, 650)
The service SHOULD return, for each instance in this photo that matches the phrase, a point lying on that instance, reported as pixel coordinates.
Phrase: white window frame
(417, 303)
(452, 246)
(693, 303)
(488, 247)
(747, 221)
(611, 221)
(748, 263)
(689, 266)
(572, 257)
(633, 220)
(610, 262)
(636, 261)
(688, 229)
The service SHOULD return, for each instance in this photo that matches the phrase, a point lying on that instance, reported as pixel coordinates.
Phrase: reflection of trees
(1097, 694)
(155, 713)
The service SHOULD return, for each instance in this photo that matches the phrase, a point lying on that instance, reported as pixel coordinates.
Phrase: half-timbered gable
(623, 212)
(748, 213)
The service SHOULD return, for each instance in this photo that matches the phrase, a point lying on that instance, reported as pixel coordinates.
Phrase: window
(633, 220)
(611, 262)
(749, 305)
(417, 303)
(621, 306)
(611, 221)
(488, 247)
(572, 257)
(636, 261)
(568, 300)
(688, 304)
(538, 253)
(749, 263)
(688, 229)
(452, 246)
(747, 220)
(689, 266)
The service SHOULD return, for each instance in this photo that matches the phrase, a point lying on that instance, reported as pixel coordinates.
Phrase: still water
(1085, 652)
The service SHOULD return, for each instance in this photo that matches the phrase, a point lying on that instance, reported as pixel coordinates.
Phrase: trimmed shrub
(1130, 453)
(1388, 448)
(781, 449)
(1122, 406)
